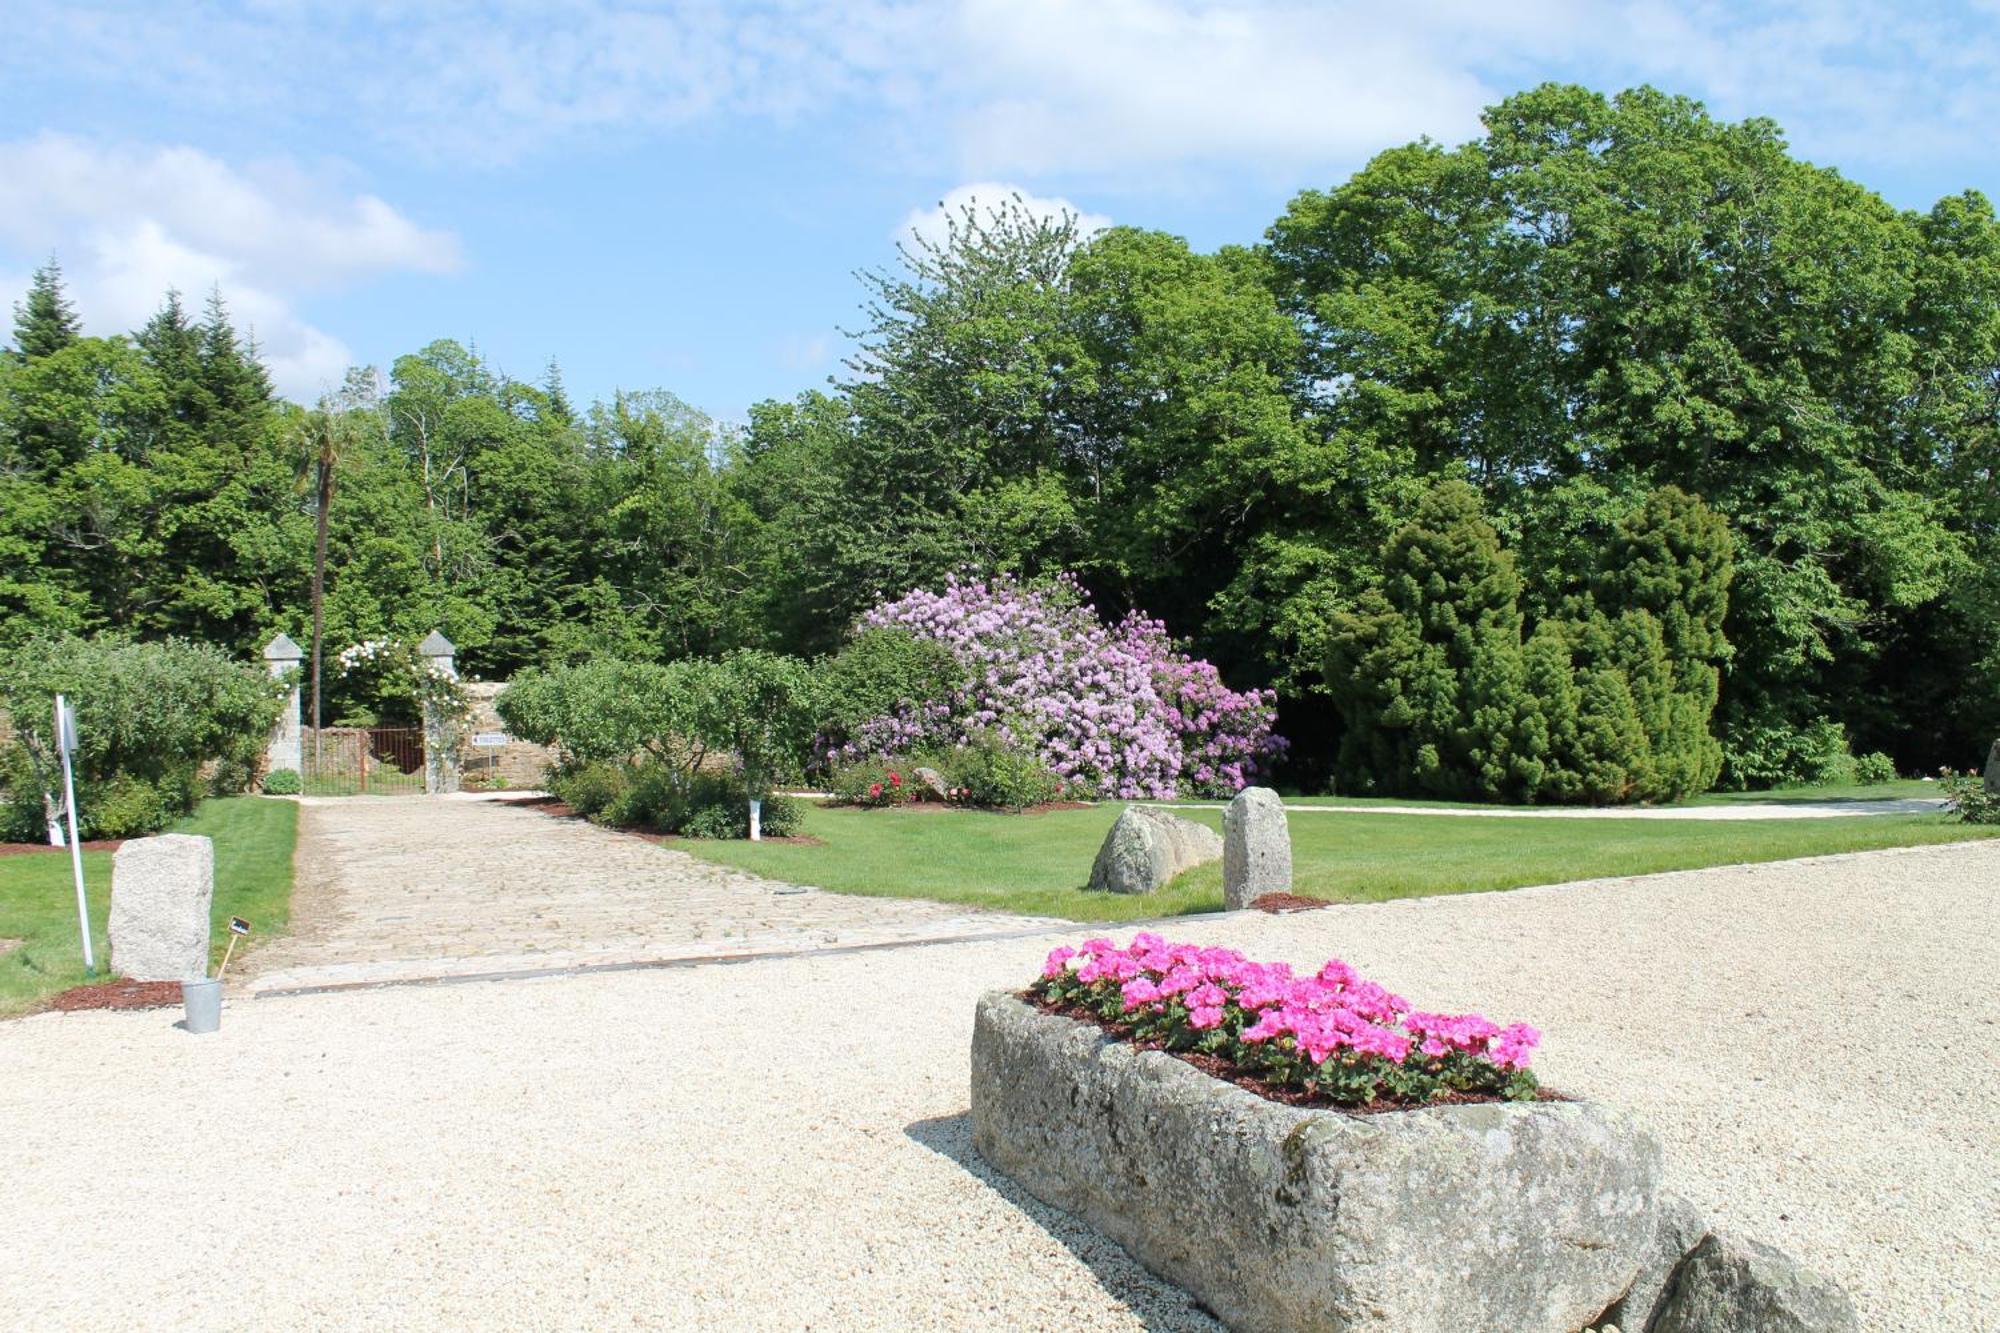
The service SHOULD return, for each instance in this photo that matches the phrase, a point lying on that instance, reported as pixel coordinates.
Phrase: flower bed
(1330, 1036)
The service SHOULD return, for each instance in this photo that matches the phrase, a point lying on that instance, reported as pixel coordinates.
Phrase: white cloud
(986, 198)
(1098, 89)
(129, 223)
(1106, 87)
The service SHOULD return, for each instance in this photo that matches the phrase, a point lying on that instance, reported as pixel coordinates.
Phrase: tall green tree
(44, 320)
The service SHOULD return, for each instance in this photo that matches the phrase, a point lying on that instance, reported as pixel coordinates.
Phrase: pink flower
(1139, 991)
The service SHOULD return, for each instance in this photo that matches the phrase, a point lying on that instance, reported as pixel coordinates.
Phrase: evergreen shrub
(1446, 689)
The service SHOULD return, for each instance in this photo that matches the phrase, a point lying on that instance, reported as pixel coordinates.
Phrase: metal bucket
(202, 1001)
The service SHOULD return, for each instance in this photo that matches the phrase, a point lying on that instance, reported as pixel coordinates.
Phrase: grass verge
(1900, 789)
(253, 879)
(1037, 864)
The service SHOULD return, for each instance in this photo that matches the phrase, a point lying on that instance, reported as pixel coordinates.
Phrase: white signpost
(66, 745)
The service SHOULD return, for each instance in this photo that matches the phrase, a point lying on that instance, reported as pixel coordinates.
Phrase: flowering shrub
(1117, 710)
(872, 783)
(1331, 1034)
(1967, 797)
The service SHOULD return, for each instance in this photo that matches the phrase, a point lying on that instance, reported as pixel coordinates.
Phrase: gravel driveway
(782, 1143)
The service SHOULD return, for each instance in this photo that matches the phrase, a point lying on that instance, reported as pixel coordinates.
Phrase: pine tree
(45, 321)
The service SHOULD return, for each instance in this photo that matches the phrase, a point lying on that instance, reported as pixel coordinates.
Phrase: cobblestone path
(417, 888)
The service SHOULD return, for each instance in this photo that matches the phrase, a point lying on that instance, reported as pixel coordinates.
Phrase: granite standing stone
(931, 781)
(1993, 769)
(1147, 847)
(161, 890)
(1256, 848)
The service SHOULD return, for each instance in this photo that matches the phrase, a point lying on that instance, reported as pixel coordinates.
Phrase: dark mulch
(1287, 902)
(1216, 1067)
(30, 848)
(117, 995)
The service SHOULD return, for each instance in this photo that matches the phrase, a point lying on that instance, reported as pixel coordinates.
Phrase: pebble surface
(783, 1144)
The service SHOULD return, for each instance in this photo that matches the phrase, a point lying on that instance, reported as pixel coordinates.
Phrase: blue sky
(677, 195)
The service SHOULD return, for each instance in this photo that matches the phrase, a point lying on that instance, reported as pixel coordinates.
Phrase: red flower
(874, 789)
(895, 779)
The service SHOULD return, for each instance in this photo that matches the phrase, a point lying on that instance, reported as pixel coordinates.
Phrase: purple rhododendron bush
(1116, 710)
(1329, 1036)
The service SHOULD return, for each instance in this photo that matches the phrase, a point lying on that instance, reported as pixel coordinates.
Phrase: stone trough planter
(1534, 1217)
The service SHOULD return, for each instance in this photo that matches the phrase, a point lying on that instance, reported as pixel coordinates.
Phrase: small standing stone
(1993, 770)
(161, 890)
(1256, 848)
(1148, 847)
(932, 782)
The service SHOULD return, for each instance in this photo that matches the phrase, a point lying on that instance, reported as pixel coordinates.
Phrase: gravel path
(782, 1144)
(409, 888)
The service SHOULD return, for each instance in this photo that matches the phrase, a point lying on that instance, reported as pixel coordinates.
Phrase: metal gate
(362, 761)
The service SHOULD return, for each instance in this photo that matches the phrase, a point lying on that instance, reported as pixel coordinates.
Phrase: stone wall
(518, 764)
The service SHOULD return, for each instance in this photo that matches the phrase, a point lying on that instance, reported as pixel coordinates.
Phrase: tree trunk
(319, 580)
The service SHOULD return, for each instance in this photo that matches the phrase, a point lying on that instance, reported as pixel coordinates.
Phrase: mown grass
(253, 879)
(1037, 864)
(1901, 789)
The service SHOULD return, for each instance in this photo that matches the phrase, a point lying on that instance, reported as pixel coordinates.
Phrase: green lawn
(1901, 789)
(253, 879)
(1038, 863)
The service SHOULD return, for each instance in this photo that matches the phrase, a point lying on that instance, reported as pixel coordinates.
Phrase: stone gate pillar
(282, 750)
(441, 759)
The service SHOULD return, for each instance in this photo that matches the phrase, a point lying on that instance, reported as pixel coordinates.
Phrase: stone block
(1146, 847)
(1256, 848)
(161, 891)
(1530, 1217)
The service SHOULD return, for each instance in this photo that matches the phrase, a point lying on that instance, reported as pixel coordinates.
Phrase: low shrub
(872, 782)
(656, 796)
(1814, 755)
(727, 815)
(282, 782)
(588, 788)
(988, 772)
(1970, 802)
(1329, 1035)
(650, 796)
(1874, 769)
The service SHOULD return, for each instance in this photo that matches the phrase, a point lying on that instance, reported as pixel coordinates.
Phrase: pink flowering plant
(1330, 1034)
(1118, 710)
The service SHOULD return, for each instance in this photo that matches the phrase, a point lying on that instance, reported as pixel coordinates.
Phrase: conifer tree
(1428, 669)
(44, 320)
